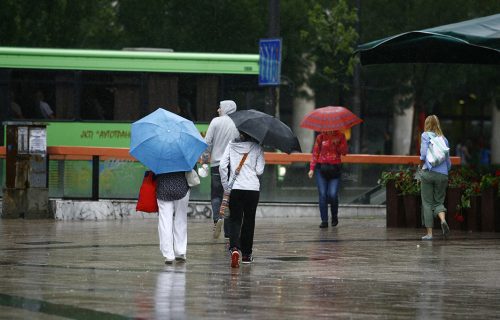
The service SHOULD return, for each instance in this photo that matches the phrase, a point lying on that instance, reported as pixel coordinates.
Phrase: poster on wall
(22, 140)
(38, 141)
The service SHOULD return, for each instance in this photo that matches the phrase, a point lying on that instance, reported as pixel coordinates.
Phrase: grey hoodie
(252, 167)
(220, 131)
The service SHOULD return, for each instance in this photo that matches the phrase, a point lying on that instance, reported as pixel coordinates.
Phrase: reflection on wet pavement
(360, 269)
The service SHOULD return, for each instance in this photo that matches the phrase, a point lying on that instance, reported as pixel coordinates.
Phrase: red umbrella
(330, 119)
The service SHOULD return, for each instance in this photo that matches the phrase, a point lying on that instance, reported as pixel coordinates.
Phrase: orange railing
(86, 153)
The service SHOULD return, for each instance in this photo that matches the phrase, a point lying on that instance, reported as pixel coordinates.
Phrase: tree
(424, 86)
(58, 23)
(193, 26)
(332, 38)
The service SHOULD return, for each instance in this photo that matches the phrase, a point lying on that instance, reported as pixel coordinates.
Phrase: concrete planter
(394, 207)
(413, 211)
(452, 201)
(473, 214)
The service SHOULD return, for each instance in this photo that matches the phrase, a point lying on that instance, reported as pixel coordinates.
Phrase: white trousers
(172, 227)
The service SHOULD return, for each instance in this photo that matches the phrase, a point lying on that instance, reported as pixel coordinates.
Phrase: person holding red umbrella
(326, 163)
(327, 153)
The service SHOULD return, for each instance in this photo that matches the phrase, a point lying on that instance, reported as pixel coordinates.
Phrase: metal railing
(359, 182)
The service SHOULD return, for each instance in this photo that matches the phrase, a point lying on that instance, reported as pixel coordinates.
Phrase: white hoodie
(252, 167)
(220, 131)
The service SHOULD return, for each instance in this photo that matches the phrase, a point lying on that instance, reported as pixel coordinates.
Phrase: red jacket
(328, 148)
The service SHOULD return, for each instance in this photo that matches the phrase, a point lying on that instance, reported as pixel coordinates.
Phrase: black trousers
(243, 206)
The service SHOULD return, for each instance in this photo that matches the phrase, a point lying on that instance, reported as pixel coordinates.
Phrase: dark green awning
(475, 41)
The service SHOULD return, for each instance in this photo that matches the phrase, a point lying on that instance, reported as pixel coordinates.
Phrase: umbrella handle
(224, 204)
(225, 199)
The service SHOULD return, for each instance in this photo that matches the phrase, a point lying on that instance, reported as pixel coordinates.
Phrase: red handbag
(147, 194)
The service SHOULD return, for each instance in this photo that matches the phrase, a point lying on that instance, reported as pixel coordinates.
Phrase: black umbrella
(266, 129)
(475, 41)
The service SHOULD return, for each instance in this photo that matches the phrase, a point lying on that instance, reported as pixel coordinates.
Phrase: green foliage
(489, 181)
(194, 26)
(58, 23)
(404, 180)
(471, 190)
(332, 38)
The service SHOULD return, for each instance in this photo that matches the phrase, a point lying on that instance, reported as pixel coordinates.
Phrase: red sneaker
(235, 258)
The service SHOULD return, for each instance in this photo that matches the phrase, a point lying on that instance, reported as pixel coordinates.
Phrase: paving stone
(113, 269)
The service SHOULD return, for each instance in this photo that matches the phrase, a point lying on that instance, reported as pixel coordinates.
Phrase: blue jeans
(216, 194)
(328, 194)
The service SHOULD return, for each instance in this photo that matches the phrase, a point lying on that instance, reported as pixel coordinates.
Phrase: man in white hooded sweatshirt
(220, 131)
(245, 194)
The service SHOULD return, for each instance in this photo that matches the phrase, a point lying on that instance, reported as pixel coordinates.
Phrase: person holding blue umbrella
(170, 146)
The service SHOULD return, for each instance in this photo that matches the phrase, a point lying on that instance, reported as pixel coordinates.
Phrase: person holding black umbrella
(244, 193)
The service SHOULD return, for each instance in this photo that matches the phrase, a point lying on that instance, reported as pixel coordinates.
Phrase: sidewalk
(113, 269)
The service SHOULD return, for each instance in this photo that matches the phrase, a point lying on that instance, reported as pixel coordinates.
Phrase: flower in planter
(387, 176)
(406, 182)
(467, 180)
(461, 177)
(489, 181)
(472, 189)
(459, 217)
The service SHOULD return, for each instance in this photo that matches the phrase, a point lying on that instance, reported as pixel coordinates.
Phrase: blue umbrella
(165, 142)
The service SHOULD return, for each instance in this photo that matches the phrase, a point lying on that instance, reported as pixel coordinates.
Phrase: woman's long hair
(432, 124)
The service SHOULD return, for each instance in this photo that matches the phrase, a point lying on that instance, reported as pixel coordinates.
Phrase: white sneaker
(218, 228)
(427, 237)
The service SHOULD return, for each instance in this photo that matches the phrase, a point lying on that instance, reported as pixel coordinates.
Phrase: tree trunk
(402, 124)
(301, 106)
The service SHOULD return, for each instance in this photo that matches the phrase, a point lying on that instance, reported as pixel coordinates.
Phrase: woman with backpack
(435, 157)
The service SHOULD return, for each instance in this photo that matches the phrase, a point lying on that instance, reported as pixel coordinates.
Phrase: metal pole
(95, 178)
(273, 32)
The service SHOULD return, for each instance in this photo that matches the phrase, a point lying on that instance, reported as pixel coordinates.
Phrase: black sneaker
(323, 225)
(181, 258)
(247, 259)
(335, 221)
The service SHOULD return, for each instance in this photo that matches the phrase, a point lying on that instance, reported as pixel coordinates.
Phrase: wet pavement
(357, 270)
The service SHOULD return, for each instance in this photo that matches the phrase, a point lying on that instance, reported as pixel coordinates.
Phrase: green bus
(90, 97)
(103, 85)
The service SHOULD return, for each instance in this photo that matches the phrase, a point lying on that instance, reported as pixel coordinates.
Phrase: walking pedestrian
(245, 194)
(172, 192)
(220, 131)
(434, 180)
(327, 164)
